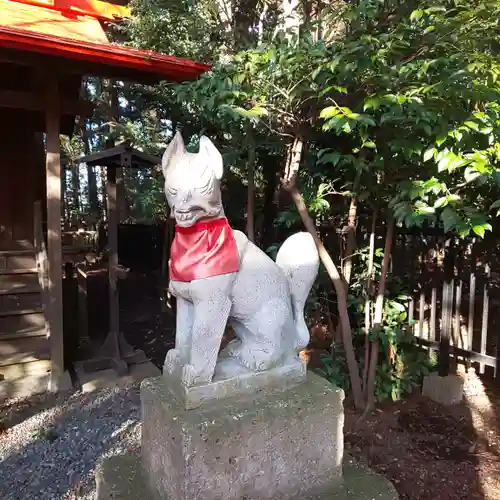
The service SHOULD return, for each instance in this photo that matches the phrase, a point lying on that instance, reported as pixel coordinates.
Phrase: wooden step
(18, 251)
(12, 372)
(22, 312)
(21, 290)
(19, 283)
(19, 259)
(35, 331)
(20, 351)
(20, 301)
(22, 323)
(32, 270)
(22, 357)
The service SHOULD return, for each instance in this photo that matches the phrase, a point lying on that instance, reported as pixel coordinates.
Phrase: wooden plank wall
(22, 182)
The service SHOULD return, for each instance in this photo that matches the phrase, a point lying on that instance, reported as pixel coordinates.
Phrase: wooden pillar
(112, 346)
(54, 248)
(115, 352)
(114, 306)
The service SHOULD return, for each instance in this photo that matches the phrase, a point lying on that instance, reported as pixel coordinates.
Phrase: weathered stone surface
(272, 445)
(281, 377)
(122, 478)
(447, 390)
(220, 277)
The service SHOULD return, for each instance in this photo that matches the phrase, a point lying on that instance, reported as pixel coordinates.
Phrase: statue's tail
(299, 259)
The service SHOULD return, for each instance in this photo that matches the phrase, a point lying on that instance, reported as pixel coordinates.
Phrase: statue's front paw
(188, 377)
(172, 361)
(232, 350)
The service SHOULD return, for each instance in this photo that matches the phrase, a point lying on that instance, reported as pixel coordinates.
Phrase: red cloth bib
(202, 250)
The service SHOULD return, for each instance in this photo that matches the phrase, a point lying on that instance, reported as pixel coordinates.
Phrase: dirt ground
(143, 321)
(429, 452)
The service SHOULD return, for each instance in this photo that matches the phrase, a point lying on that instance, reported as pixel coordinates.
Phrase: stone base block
(105, 379)
(122, 478)
(222, 387)
(272, 445)
(60, 382)
(447, 390)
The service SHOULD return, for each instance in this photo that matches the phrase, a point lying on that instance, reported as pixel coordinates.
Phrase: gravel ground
(51, 444)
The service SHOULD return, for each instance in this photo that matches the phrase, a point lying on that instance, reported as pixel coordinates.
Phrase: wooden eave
(121, 156)
(53, 36)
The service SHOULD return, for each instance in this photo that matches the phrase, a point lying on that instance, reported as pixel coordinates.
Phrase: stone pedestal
(273, 445)
(447, 390)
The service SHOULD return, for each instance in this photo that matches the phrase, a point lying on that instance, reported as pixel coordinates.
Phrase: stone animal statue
(219, 277)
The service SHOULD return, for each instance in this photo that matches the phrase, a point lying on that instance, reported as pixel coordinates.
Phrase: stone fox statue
(219, 277)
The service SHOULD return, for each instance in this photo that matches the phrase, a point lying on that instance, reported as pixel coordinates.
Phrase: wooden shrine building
(46, 47)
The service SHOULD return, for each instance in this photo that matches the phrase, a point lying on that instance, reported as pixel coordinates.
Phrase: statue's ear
(212, 155)
(176, 147)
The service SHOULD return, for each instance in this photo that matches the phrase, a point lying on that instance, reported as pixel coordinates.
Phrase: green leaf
(450, 218)
(416, 15)
(336, 88)
(329, 112)
(472, 125)
(479, 230)
(333, 158)
(441, 202)
(372, 103)
(429, 153)
(495, 204)
(397, 306)
(450, 161)
(470, 174)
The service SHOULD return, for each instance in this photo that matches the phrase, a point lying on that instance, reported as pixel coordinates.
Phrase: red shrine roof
(73, 30)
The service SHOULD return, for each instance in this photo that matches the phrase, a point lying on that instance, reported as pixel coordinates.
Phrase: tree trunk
(270, 172)
(379, 312)
(64, 205)
(289, 183)
(75, 189)
(251, 190)
(91, 177)
(104, 194)
(351, 231)
(368, 302)
(92, 187)
(122, 207)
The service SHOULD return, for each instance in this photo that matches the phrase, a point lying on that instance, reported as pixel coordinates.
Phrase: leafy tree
(384, 107)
